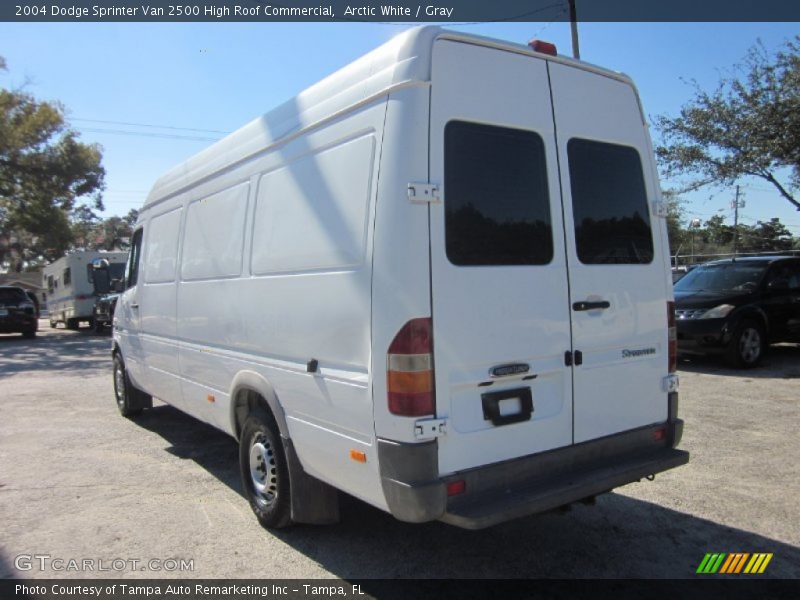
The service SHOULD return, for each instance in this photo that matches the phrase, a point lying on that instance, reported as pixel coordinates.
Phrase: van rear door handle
(586, 305)
(134, 305)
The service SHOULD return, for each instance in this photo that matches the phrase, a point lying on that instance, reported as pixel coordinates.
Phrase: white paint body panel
(293, 239)
(613, 393)
(490, 315)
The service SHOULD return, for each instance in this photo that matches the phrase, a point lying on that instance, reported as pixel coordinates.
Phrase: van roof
(404, 61)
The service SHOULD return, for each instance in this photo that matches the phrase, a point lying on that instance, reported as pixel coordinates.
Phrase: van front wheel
(123, 390)
(265, 477)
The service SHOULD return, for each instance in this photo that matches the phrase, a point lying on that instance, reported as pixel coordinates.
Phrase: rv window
(50, 283)
(609, 204)
(67, 276)
(132, 270)
(497, 205)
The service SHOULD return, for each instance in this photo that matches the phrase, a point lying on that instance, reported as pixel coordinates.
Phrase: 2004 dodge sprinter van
(438, 280)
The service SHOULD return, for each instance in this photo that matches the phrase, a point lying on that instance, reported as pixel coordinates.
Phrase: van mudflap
(549, 480)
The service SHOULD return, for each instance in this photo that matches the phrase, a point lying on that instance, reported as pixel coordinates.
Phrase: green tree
(716, 232)
(113, 233)
(44, 172)
(677, 235)
(748, 126)
(766, 236)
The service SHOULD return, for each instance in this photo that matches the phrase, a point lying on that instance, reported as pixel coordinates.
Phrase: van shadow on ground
(781, 361)
(620, 537)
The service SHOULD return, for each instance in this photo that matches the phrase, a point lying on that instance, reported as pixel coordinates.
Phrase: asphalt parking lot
(79, 481)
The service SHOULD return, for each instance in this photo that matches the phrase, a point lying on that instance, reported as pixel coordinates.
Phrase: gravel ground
(79, 481)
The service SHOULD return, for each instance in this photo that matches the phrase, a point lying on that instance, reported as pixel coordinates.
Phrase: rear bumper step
(524, 486)
(542, 494)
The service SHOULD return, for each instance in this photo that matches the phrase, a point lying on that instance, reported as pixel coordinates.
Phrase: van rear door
(617, 274)
(501, 313)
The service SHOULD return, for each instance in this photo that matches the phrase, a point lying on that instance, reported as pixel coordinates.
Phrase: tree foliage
(748, 126)
(715, 238)
(44, 172)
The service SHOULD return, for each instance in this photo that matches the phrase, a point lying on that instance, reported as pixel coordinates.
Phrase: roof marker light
(543, 47)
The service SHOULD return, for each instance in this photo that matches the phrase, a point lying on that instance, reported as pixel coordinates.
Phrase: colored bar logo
(734, 563)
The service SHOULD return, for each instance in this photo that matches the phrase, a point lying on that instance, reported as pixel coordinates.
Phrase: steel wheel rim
(750, 345)
(119, 383)
(263, 473)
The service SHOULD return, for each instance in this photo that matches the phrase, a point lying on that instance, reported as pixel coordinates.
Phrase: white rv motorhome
(70, 285)
(438, 280)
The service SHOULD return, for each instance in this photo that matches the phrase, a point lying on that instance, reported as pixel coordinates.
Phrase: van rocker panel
(523, 486)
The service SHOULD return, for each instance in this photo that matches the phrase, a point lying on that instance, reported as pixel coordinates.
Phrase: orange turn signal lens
(358, 456)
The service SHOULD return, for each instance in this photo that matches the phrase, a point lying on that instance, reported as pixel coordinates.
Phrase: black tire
(53, 324)
(124, 390)
(265, 476)
(98, 328)
(72, 324)
(29, 334)
(748, 345)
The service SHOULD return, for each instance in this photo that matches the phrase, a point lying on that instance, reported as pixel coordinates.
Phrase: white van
(70, 285)
(438, 280)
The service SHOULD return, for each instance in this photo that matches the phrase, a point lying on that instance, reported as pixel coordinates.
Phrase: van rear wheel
(265, 477)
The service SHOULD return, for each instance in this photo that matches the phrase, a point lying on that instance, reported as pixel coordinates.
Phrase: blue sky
(219, 76)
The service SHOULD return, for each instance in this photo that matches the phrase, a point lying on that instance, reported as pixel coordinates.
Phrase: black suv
(17, 312)
(737, 307)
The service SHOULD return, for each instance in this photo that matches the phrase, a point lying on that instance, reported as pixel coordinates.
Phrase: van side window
(609, 204)
(132, 270)
(162, 247)
(214, 235)
(67, 276)
(497, 203)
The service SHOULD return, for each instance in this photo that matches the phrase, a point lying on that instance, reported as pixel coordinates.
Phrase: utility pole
(573, 24)
(694, 225)
(736, 204)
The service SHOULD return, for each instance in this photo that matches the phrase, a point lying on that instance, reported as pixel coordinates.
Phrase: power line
(149, 125)
(170, 136)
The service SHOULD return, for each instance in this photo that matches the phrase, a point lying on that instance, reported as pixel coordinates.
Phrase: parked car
(737, 307)
(35, 300)
(679, 273)
(17, 312)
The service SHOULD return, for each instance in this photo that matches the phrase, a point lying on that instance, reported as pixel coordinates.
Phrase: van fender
(252, 381)
(312, 501)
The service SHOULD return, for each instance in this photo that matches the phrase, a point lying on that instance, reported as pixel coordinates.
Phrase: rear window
(497, 206)
(609, 204)
(12, 295)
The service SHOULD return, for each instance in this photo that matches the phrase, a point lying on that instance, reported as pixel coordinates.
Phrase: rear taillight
(409, 370)
(672, 337)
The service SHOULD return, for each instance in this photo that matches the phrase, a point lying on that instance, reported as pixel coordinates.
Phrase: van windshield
(739, 276)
